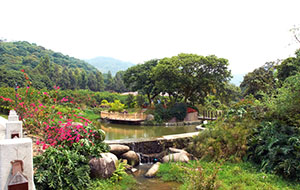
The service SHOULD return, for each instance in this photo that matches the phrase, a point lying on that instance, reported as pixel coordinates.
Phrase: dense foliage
(45, 68)
(191, 77)
(227, 138)
(264, 127)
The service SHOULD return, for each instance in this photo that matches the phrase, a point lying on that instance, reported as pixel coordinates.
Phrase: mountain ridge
(105, 64)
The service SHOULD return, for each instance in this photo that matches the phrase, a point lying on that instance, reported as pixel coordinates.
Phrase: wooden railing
(210, 115)
(123, 116)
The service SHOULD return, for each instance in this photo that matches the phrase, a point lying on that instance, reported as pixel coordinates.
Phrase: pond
(117, 131)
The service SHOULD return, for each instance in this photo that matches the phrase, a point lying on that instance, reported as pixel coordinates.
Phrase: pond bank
(156, 145)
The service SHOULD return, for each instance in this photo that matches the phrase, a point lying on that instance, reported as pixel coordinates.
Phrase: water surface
(120, 131)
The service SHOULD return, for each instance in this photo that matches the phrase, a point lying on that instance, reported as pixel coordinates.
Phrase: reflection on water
(117, 131)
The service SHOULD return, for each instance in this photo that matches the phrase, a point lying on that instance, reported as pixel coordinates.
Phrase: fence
(210, 115)
(123, 116)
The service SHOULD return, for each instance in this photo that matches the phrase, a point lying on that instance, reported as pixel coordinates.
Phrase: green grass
(127, 182)
(240, 176)
(4, 115)
(90, 115)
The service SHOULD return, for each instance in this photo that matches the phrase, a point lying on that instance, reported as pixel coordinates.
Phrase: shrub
(130, 101)
(116, 106)
(227, 137)
(62, 169)
(178, 110)
(276, 148)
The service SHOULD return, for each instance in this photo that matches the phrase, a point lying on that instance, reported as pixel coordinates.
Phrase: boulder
(109, 155)
(176, 150)
(199, 127)
(150, 117)
(102, 167)
(118, 149)
(131, 157)
(153, 170)
(176, 157)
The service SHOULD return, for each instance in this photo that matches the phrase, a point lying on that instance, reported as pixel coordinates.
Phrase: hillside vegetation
(45, 68)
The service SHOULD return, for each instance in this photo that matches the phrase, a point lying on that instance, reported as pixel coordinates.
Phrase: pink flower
(45, 146)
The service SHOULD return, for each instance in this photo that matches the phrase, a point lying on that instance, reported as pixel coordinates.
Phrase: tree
(139, 78)
(289, 67)
(190, 76)
(73, 81)
(109, 82)
(100, 81)
(64, 79)
(260, 80)
(118, 82)
(92, 82)
(83, 80)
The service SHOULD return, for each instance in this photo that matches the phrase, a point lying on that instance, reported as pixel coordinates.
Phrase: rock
(176, 157)
(150, 117)
(102, 167)
(199, 127)
(118, 149)
(110, 155)
(131, 157)
(176, 150)
(153, 170)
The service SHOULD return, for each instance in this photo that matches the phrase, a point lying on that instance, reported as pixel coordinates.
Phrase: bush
(227, 138)
(276, 148)
(116, 106)
(130, 101)
(61, 169)
(178, 110)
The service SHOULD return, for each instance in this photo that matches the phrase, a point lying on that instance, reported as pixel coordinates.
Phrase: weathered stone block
(11, 150)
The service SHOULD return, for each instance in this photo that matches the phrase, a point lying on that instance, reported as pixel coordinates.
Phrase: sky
(247, 33)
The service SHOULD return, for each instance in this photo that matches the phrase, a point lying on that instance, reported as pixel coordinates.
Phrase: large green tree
(260, 80)
(289, 67)
(118, 82)
(190, 76)
(139, 78)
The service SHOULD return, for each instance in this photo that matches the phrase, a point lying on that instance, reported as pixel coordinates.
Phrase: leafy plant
(227, 138)
(61, 169)
(116, 106)
(276, 148)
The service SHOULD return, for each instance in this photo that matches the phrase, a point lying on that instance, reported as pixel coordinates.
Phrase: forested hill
(45, 68)
(105, 64)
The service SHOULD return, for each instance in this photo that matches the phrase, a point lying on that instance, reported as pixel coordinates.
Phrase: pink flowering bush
(46, 115)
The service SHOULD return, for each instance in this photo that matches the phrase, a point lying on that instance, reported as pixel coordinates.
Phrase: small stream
(152, 183)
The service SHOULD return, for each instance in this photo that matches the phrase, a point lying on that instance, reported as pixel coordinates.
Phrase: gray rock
(110, 155)
(118, 149)
(176, 157)
(131, 157)
(153, 170)
(150, 117)
(175, 150)
(102, 167)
